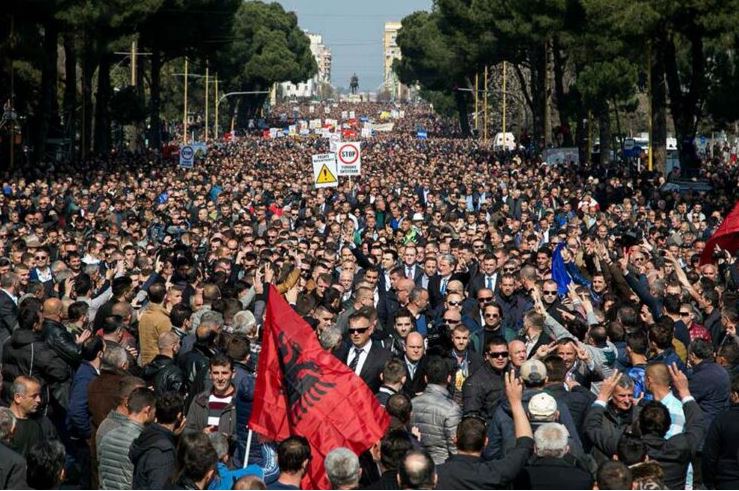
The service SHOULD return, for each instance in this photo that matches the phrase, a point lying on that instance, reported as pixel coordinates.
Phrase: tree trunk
(102, 107)
(462, 106)
(70, 93)
(88, 71)
(538, 96)
(604, 126)
(559, 67)
(581, 130)
(155, 124)
(685, 107)
(48, 90)
(658, 93)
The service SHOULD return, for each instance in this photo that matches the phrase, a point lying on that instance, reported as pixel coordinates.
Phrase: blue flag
(559, 270)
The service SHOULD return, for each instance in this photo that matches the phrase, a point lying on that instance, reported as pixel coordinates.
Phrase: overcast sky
(353, 30)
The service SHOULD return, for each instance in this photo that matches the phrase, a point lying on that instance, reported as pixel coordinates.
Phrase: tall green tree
(197, 28)
(267, 47)
(430, 60)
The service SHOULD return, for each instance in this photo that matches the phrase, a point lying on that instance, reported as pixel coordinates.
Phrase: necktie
(355, 360)
(443, 286)
(408, 272)
(411, 370)
(490, 283)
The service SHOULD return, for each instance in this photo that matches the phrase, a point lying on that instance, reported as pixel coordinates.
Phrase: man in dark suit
(438, 284)
(414, 360)
(8, 305)
(486, 277)
(428, 272)
(411, 269)
(362, 355)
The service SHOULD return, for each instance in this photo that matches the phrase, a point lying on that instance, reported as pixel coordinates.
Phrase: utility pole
(133, 63)
(650, 163)
(215, 130)
(12, 94)
(207, 121)
(184, 111)
(477, 95)
(485, 109)
(504, 102)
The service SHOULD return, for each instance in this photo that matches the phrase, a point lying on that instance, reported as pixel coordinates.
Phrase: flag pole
(248, 449)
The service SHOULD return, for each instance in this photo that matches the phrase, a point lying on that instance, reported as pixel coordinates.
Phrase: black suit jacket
(435, 296)
(477, 283)
(417, 271)
(373, 364)
(417, 384)
(8, 316)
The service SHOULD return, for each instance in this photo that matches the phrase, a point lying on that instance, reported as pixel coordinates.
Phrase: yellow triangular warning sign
(325, 176)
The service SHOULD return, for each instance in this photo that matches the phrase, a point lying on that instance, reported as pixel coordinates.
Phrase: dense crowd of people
(524, 325)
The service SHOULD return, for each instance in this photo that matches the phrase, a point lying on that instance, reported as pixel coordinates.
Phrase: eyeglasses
(359, 330)
(498, 354)
(549, 292)
(492, 316)
(40, 258)
(685, 314)
(509, 270)
(638, 259)
(485, 299)
(455, 304)
(452, 321)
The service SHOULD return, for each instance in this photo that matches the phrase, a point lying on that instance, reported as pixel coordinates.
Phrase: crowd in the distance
(132, 295)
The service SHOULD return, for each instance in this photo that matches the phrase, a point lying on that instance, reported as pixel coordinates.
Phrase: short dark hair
(196, 455)
(417, 470)
(92, 347)
(45, 461)
(393, 372)
(238, 347)
(556, 368)
(82, 284)
(702, 349)
(77, 310)
(393, 447)
(221, 360)
(126, 385)
(399, 406)
(179, 314)
(169, 407)
(637, 342)
(292, 452)
(661, 332)
(156, 292)
(496, 340)
(113, 323)
(471, 433)
(631, 448)
(614, 475)
(140, 398)
(438, 370)
(28, 313)
(654, 419)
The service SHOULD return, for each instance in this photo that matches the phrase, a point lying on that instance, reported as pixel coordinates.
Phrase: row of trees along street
(67, 76)
(583, 62)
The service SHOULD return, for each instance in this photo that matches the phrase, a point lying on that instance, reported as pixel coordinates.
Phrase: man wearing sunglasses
(482, 391)
(362, 355)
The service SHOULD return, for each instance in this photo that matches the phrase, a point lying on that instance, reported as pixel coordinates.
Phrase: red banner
(726, 236)
(302, 389)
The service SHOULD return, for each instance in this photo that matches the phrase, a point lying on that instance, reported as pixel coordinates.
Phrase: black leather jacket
(62, 342)
(164, 374)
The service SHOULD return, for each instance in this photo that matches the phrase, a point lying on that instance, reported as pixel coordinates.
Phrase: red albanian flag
(726, 236)
(304, 390)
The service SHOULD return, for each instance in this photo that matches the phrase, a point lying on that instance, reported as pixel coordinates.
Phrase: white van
(504, 142)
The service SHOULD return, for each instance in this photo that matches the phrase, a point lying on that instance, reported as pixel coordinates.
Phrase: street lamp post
(229, 94)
